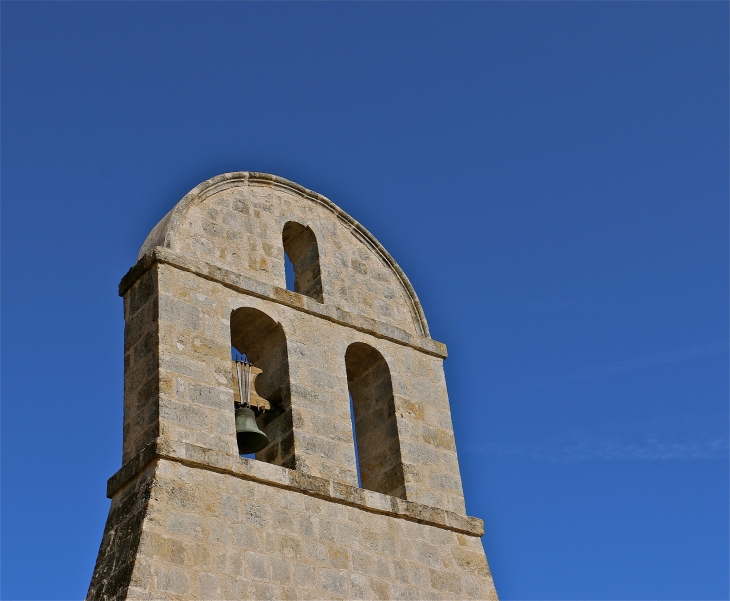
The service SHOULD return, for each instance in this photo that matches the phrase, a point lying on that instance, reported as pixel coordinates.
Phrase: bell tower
(356, 492)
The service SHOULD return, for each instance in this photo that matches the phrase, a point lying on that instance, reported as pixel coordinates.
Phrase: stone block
(257, 566)
(174, 580)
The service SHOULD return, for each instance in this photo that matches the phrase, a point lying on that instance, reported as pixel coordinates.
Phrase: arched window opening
(373, 412)
(300, 245)
(263, 341)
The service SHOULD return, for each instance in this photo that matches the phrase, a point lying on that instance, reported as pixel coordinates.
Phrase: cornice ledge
(247, 285)
(281, 477)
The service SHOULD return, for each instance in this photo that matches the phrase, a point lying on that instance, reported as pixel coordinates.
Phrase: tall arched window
(300, 245)
(376, 429)
(262, 340)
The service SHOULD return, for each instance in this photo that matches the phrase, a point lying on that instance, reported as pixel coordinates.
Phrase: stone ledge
(246, 285)
(281, 477)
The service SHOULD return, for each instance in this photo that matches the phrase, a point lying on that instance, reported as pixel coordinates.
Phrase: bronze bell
(250, 439)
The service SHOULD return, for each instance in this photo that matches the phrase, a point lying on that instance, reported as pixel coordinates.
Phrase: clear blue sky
(553, 178)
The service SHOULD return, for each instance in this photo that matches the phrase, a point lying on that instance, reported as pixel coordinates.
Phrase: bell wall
(189, 518)
(188, 376)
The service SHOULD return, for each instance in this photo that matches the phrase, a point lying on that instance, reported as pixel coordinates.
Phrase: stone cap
(252, 287)
(164, 232)
(281, 477)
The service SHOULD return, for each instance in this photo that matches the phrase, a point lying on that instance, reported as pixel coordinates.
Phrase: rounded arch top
(175, 231)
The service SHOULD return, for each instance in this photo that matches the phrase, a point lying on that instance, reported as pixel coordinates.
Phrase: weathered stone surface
(233, 536)
(279, 295)
(119, 551)
(191, 359)
(192, 520)
(281, 477)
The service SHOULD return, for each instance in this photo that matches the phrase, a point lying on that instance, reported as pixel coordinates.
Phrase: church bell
(250, 439)
(248, 436)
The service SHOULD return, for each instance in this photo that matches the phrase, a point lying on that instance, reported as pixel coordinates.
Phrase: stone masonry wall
(214, 536)
(141, 359)
(190, 519)
(237, 224)
(120, 546)
(196, 387)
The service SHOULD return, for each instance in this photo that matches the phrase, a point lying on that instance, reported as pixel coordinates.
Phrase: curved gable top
(220, 221)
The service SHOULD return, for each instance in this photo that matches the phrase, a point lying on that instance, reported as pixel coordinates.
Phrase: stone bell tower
(190, 518)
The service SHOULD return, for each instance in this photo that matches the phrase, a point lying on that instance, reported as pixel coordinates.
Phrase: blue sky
(553, 178)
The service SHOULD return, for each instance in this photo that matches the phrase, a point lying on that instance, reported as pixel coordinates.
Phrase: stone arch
(374, 417)
(300, 244)
(165, 233)
(263, 341)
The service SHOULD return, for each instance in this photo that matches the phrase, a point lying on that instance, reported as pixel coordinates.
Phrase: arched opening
(300, 245)
(376, 429)
(263, 341)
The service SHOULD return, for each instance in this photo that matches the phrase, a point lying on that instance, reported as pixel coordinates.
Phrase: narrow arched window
(300, 245)
(373, 414)
(262, 340)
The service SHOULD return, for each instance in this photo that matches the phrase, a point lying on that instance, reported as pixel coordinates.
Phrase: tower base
(190, 523)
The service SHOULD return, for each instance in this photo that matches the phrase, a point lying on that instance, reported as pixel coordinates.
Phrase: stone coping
(246, 285)
(170, 223)
(281, 477)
